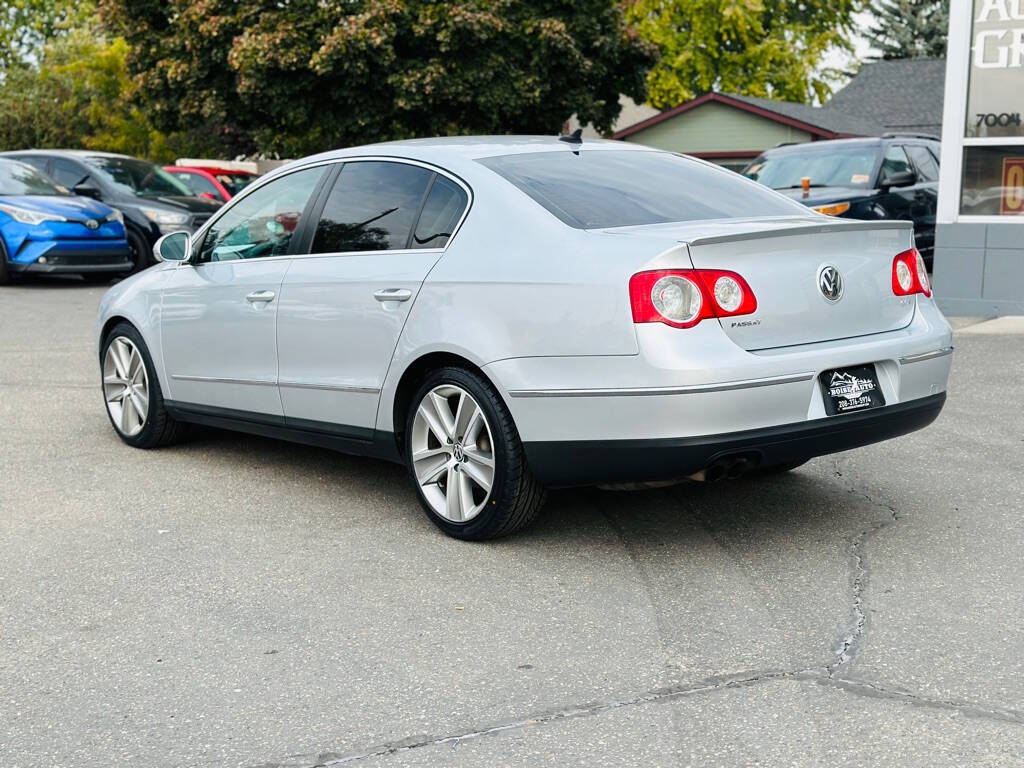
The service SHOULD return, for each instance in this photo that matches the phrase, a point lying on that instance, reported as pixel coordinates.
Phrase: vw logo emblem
(460, 454)
(830, 283)
(92, 223)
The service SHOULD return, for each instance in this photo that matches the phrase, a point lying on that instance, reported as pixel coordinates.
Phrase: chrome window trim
(200, 233)
(926, 356)
(649, 391)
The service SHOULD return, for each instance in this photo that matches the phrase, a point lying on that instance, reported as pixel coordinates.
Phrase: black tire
(159, 428)
(142, 253)
(5, 274)
(515, 496)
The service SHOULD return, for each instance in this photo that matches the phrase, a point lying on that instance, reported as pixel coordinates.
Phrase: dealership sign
(1012, 199)
(995, 99)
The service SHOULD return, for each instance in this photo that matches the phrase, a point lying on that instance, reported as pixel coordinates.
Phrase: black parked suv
(153, 202)
(892, 177)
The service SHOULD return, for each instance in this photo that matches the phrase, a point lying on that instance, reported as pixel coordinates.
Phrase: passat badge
(830, 283)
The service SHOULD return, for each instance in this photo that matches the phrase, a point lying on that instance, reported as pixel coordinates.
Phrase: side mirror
(86, 190)
(899, 179)
(176, 246)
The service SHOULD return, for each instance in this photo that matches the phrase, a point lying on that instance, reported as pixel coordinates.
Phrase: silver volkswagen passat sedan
(504, 315)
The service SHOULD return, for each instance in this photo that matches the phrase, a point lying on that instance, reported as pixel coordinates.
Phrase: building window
(995, 99)
(993, 181)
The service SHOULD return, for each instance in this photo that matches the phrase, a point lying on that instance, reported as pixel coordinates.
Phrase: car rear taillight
(683, 297)
(909, 275)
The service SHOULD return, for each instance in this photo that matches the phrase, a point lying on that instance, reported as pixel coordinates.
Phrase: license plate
(848, 390)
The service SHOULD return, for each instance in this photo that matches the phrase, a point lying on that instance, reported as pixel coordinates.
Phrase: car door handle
(392, 294)
(260, 296)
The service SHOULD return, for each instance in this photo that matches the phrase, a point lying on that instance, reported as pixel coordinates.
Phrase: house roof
(814, 120)
(904, 94)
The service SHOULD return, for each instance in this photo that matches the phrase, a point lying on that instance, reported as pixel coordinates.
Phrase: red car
(220, 184)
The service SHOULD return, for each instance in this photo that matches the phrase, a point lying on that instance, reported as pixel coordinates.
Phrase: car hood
(70, 207)
(181, 203)
(823, 195)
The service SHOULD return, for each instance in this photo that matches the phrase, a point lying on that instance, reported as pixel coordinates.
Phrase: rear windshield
(612, 188)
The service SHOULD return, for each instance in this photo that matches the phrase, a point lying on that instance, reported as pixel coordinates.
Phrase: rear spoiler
(806, 229)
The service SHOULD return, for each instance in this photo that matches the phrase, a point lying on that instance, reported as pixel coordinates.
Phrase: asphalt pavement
(235, 601)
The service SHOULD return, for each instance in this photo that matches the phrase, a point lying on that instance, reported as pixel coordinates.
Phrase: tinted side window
(68, 173)
(926, 166)
(441, 213)
(39, 163)
(261, 224)
(372, 207)
(894, 161)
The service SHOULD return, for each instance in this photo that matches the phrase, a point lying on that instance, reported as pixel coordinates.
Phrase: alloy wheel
(452, 453)
(126, 386)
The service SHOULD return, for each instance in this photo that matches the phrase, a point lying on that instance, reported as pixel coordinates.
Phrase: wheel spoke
(465, 495)
(117, 356)
(453, 493)
(126, 412)
(436, 424)
(430, 469)
(141, 404)
(466, 417)
(474, 454)
(479, 475)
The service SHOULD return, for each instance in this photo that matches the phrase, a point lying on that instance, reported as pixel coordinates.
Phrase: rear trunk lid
(791, 268)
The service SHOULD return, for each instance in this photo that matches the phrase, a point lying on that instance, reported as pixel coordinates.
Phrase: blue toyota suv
(45, 229)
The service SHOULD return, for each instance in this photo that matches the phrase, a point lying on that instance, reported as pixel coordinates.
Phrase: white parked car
(508, 314)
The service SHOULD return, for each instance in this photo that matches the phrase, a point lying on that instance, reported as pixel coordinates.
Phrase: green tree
(910, 29)
(767, 48)
(79, 95)
(307, 75)
(25, 25)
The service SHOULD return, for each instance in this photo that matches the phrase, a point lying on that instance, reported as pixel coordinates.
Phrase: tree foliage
(910, 29)
(768, 48)
(25, 25)
(305, 75)
(78, 95)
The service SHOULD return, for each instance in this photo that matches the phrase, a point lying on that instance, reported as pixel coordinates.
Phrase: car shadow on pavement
(808, 503)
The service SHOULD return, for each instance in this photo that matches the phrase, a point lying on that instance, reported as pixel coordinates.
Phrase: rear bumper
(588, 462)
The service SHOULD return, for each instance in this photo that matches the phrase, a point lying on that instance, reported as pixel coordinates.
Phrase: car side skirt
(559, 464)
(359, 441)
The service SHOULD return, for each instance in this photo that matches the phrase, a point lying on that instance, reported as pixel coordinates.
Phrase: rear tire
(131, 391)
(466, 460)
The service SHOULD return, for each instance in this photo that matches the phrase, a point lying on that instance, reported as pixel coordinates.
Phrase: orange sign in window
(1012, 200)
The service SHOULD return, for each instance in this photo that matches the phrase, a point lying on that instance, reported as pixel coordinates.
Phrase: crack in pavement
(850, 644)
(671, 693)
(826, 675)
(706, 685)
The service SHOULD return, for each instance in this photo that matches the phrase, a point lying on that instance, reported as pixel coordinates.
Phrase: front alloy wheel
(126, 386)
(452, 453)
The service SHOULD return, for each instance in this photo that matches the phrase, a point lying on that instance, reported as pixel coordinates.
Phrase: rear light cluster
(683, 297)
(909, 275)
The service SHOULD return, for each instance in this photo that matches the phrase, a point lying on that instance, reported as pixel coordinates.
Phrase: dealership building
(979, 254)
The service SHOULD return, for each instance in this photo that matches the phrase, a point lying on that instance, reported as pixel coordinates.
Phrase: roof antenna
(576, 137)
